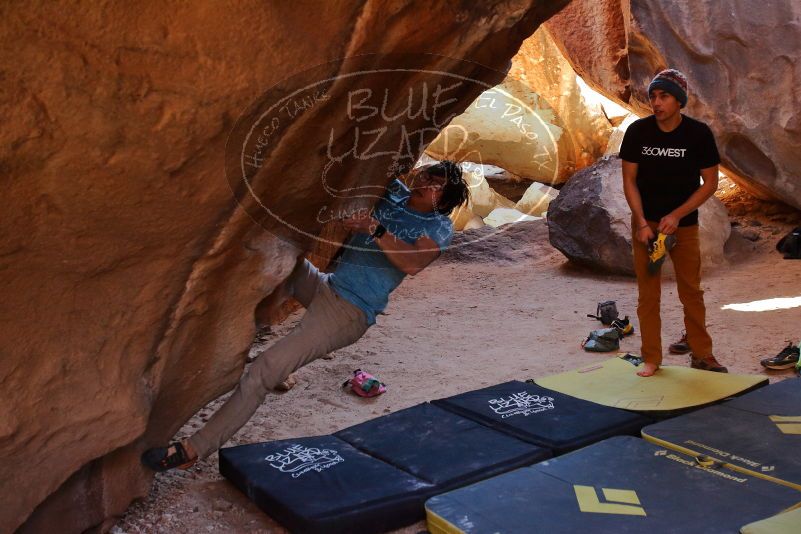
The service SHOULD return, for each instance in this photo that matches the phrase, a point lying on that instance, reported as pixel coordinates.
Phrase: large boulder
(503, 216)
(130, 273)
(483, 198)
(463, 218)
(590, 222)
(740, 62)
(506, 183)
(525, 241)
(536, 199)
(537, 124)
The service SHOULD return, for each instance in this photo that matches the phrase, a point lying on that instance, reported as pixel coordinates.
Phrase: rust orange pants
(686, 258)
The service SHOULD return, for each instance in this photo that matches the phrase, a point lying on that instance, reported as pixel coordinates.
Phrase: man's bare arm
(642, 230)
(410, 258)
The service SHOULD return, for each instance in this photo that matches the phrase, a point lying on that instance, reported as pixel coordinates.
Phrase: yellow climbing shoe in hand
(657, 251)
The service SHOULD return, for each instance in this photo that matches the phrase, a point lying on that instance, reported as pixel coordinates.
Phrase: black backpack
(790, 245)
(606, 312)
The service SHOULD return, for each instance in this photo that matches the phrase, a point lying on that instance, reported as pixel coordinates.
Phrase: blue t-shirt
(364, 275)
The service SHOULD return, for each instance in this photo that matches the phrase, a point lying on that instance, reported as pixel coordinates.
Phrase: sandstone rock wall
(130, 273)
(541, 65)
(536, 124)
(741, 61)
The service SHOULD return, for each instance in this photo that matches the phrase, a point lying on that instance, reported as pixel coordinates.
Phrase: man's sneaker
(786, 359)
(707, 364)
(681, 346)
(657, 251)
(798, 363)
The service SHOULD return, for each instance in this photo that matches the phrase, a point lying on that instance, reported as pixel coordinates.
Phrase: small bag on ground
(603, 340)
(790, 245)
(364, 384)
(606, 312)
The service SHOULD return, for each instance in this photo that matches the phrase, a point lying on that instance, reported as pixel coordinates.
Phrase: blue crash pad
(758, 433)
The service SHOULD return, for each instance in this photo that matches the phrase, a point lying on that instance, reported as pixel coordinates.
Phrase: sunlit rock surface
(464, 219)
(483, 199)
(502, 216)
(536, 199)
(537, 124)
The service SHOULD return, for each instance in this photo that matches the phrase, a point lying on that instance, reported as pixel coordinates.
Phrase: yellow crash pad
(615, 383)
(786, 523)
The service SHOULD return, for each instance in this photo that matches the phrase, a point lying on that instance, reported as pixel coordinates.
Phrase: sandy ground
(510, 307)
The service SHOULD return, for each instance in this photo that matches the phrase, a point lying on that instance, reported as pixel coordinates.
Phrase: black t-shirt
(669, 163)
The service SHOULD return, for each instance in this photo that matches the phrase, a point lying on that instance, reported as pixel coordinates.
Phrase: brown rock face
(740, 63)
(592, 36)
(130, 273)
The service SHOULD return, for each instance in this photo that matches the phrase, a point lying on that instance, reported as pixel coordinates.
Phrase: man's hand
(645, 234)
(668, 224)
(410, 258)
(361, 221)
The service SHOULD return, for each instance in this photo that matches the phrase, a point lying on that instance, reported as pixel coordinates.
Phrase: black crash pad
(441, 447)
(323, 485)
(544, 417)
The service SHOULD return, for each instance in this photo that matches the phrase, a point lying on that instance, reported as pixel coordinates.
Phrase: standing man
(406, 231)
(663, 157)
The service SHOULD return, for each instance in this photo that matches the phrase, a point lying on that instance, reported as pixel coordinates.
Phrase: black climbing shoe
(166, 458)
(786, 359)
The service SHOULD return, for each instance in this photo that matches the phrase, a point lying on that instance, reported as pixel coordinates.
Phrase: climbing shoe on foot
(786, 359)
(681, 346)
(171, 457)
(707, 364)
(657, 251)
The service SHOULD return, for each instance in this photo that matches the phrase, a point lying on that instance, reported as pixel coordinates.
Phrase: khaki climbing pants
(686, 258)
(330, 323)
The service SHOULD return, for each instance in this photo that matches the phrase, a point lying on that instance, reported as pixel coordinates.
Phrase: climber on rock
(407, 230)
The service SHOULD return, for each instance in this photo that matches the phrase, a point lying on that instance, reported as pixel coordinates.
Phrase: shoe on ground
(681, 346)
(786, 359)
(623, 326)
(707, 364)
(658, 250)
(173, 456)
